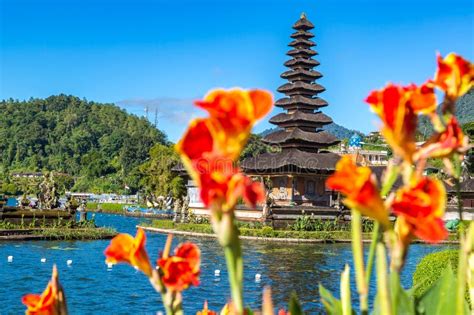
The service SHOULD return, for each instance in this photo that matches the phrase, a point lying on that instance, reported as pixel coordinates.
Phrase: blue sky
(164, 54)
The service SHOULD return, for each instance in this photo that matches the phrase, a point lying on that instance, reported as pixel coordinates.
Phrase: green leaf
(294, 306)
(403, 301)
(440, 299)
(332, 305)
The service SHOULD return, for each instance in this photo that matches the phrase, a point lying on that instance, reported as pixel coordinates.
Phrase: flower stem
(172, 301)
(357, 251)
(395, 288)
(235, 266)
(382, 281)
(370, 258)
(168, 308)
(227, 232)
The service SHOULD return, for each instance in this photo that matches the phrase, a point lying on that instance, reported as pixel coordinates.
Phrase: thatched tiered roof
(299, 135)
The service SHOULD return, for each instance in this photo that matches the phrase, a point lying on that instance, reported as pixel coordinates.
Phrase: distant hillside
(464, 113)
(74, 136)
(338, 131)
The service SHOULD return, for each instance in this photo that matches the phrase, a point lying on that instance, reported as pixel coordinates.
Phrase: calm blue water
(93, 289)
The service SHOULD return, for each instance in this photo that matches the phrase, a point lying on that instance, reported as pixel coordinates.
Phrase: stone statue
(177, 210)
(48, 196)
(72, 204)
(283, 193)
(267, 206)
(185, 209)
(453, 201)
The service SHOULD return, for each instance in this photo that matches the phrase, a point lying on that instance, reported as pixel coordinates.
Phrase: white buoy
(110, 265)
(258, 277)
(43, 260)
(69, 262)
(217, 272)
(10, 259)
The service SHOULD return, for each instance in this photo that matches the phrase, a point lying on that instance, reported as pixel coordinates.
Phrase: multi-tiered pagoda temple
(298, 169)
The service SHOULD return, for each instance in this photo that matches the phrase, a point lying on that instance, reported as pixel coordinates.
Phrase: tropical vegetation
(90, 146)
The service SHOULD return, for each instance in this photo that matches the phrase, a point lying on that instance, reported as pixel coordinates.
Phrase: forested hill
(71, 135)
(464, 113)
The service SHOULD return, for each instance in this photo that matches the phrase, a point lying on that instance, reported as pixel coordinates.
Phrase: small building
(466, 191)
(375, 137)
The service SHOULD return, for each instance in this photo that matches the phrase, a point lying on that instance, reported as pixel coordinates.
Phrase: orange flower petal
(181, 270)
(119, 249)
(197, 140)
(441, 145)
(423, 99)
(124, 248)
(47, 303)
(254, 192)
(455, 75)
(359, 187)
(211, 145)
(191, 253)
(422, 206)
(264, 101)
(31, 299)
(392, 105)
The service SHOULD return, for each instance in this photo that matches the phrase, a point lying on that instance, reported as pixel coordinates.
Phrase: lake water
(92, 288)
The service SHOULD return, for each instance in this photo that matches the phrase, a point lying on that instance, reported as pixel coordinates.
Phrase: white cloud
(178, 110)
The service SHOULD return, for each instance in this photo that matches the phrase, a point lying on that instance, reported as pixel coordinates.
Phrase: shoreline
(272, 239)
(55, 234)
(133, 214)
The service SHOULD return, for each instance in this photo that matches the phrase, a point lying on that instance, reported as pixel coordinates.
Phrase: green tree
(100, 144)
(254, 147)
(157, 177)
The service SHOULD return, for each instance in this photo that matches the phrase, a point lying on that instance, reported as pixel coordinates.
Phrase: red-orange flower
(451, 140)
(233, 113)
(206, 310)
(181, 270)
(455, 75)
(422, 205)
(399, 119)
(398, 106)
(359, 186)
(211, 145)
(50, 302)
(124, 248)
(422, 99)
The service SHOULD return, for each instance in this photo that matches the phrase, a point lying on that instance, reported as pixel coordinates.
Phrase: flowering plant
(209, 150)
(418, 204)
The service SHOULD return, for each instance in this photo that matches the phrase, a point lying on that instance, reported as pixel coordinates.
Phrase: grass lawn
(108, 207)
(267, 231)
